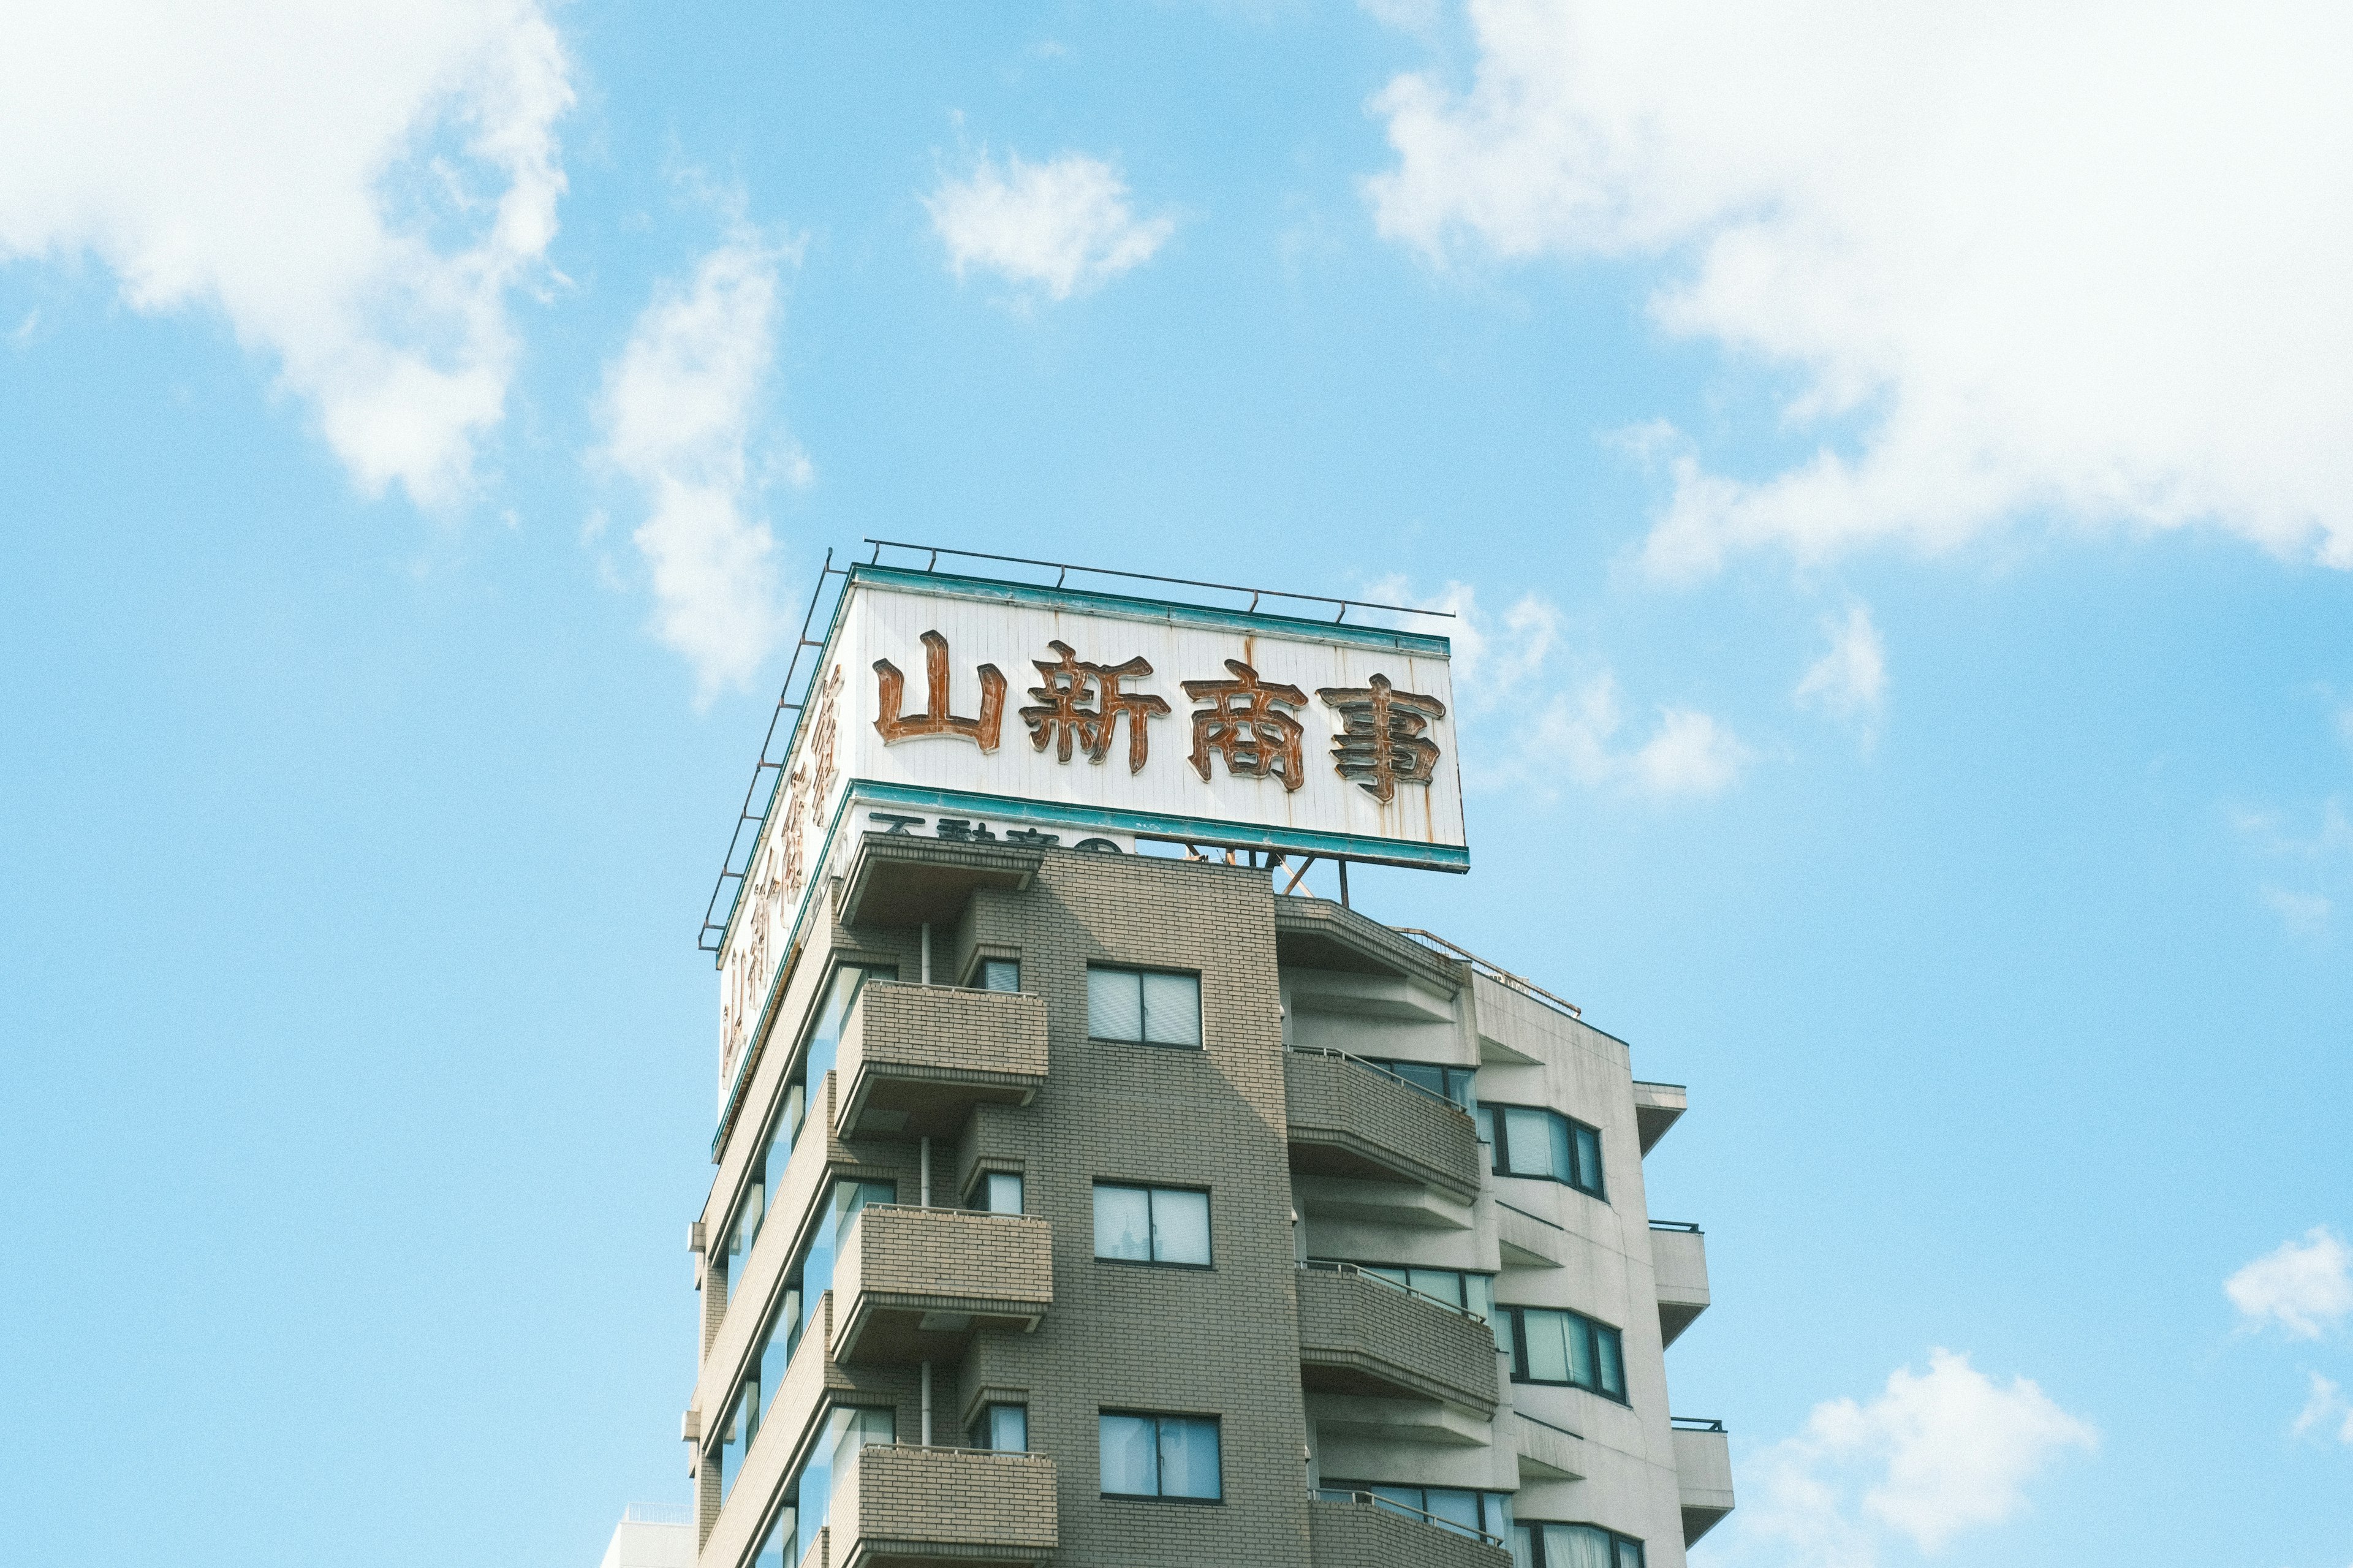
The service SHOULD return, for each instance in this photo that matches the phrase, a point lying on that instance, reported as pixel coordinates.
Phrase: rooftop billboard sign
(964, 708)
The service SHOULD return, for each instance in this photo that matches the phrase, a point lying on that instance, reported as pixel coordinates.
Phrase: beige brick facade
(1007, 1309)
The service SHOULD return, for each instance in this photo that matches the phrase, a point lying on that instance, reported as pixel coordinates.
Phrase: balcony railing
(1350, 1116)
(916, 1282)
(1361, 1334)
(904, 1504)
(1495, 972)
(1390, 1505)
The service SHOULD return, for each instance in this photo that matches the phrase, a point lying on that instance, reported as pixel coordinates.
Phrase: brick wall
(1357, 1535)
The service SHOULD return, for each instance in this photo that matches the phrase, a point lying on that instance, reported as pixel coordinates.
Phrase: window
(1463, 1511)
(999, 1192)
(1568, 1348)
(1005, 1427)
(1544, 1143)
(1140, 1005)
(809, 1498)
(1445, 1082)
(1472, 1293)
(1000, 974)
(1152, 1224)
(1161, 1456)
(1573, 1546)
(810, 1278)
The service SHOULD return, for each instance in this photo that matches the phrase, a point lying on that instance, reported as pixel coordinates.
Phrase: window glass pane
(1394, 1276)
(1406, 1499)
(827, 1036)
(1547, 1354)
(1564, 1164)
(1421, 1074)
(1459, 1508)
(777, 1548)
(1629, 1553)
(1115, 1005)
(1180, 1226)
(1131, 1464)
(1445, 1284)
(1000, 1192)
(1007, 1427)
(1189, 1456)
(775, 1352)
(735, 1438)
(1487, 1126)
(1613, 1373)
(1499, 1513)
(1000, 974)
(1524, 1547)
(1171, 1009)
(1589, 1159)
(850, 1197)
(1576, 1546)
(1579, 1335)
(1478, 1294)
(1458, 1086)
(796, 1112)
(1123, 1223)
(1528, 1134)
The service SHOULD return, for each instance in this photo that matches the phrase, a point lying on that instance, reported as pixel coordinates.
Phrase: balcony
(1657, 1107)
(1702, 1474)
(1351, 1529)
(896, 1505)
(1364, 1336)
(1547, 1452)
(1349, 1118)
(914, 1060)
(915, 1283)
(1679, 1264)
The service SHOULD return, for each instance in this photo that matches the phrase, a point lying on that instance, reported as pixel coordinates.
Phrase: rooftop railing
(1495, 972)
(677, 1513)
(1694, 1423)
(1682, 1225)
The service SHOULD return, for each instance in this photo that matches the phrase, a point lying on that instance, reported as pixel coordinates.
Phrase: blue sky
(1893, 471)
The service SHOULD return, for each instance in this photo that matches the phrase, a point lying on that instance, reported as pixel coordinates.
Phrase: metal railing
(1062, 568)
(1386, 1072)
(658, 1513)
(1374, 1499)
(1694, 1423)
(1653, 1083)
(1495, 972)
(1334, 1266)
(1525, 1214)
(1682, 1225)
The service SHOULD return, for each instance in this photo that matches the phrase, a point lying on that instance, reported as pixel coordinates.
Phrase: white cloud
(2306, 1287)
(358, 186)
(1688, 754)
(2081, 260)
(2326, 1407)
(1504, 666)
(2305, 912)
(677, 408)
(1849, 681)
(1063, 225)
(1938, 1453)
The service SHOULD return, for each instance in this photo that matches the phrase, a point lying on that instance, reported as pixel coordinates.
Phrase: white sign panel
(955, 707)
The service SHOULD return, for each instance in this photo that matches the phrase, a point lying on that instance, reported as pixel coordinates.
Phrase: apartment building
(1081, 1199)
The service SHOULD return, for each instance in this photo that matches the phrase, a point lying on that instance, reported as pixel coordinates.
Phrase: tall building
(1088, 1193)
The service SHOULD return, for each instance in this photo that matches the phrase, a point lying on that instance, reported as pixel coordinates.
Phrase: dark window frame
(1487, 1496)
(1592, 1327)
(1214, 1418)
(1208, 1227)
(1494, 1124)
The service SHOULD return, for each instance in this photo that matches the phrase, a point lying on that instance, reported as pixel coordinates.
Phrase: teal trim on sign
(1156, 825)
(1087, 601)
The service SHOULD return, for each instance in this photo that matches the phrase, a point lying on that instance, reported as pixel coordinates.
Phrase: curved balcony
(915, 1283)
(1362, 1335)
(1349, 1118)
(914, 1060)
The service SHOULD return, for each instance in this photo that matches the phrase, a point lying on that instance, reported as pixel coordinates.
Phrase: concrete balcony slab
(915, 1283)
(1361, 1335)
(1679, 1263)
(900, 1506)
(915, 1059)
(1702, 1475)
(1348, 1118)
